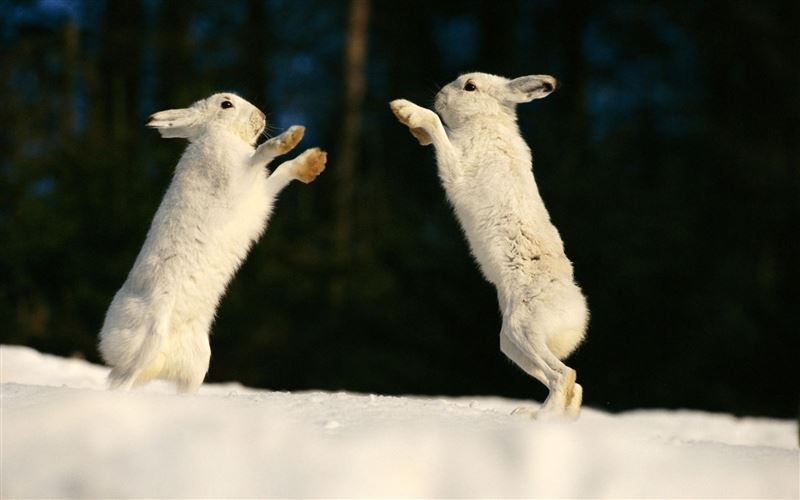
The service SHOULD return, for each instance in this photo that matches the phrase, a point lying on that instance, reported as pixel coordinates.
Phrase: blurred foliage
(670, 161)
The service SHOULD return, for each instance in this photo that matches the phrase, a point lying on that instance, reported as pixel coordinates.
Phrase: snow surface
(65, 435)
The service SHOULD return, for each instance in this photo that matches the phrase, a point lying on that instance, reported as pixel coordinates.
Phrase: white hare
(485, 167)
(215, 208)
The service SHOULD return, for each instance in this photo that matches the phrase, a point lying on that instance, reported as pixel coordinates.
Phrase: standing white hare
(485, 167)
(215, 208)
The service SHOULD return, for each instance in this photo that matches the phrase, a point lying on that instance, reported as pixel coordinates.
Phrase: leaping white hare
(215, 208)
(485, 167)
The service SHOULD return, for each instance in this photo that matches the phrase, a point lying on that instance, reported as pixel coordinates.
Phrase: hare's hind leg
(144, 348)
(521, 360)
(561, 398)
(534, 357)
(562, 388)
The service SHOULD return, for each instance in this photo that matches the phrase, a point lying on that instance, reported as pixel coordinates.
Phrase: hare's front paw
(419, 120)
(412, 115)
(310, 164)
(288, 140)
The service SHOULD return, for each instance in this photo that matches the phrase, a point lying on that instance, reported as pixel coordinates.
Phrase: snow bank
(64, 435)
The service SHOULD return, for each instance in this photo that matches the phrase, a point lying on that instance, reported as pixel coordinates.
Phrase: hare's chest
(484, 188)
(488, 201)
(248, 206)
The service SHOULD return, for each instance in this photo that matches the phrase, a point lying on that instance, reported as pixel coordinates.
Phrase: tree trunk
(349, 147)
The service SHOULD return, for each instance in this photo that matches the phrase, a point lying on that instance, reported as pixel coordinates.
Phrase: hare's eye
(470, 87)
(226, 104)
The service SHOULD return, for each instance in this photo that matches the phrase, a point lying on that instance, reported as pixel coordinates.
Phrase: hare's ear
(181, 123)
(528, 88)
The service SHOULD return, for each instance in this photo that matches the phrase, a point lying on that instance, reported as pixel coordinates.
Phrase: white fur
(485, 167)
(215, 208)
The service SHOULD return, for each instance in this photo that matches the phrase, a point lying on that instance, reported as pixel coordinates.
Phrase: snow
(65, 435)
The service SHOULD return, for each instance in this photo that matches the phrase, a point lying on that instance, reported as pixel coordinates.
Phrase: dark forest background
(669, 160)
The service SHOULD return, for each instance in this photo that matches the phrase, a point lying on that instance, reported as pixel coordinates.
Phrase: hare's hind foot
(310, 164)
(541, 413)
(289, 139)
(565, 404)
(121, 380)
(574, 404)
(573, 396)
(525, 411)
(562, 398)
(569, 386)
(544, 413)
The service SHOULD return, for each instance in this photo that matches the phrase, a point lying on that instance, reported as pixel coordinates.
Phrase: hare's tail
(154, 335)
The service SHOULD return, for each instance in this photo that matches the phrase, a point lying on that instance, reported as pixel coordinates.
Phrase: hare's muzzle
(258, 121)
